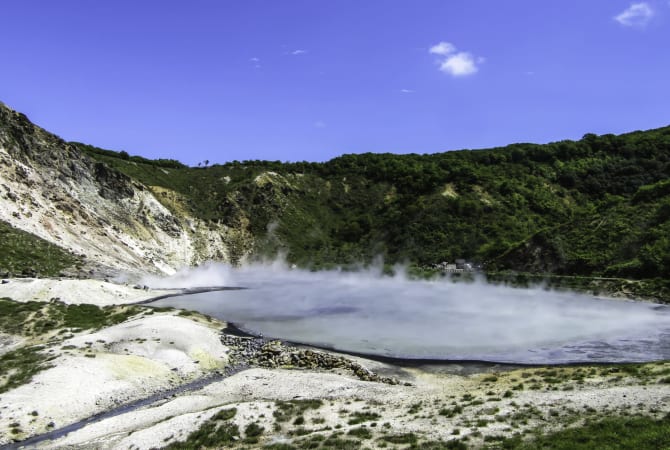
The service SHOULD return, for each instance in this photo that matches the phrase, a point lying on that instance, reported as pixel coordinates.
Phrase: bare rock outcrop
(54, 190)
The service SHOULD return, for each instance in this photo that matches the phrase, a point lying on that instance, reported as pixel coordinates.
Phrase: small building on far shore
(458, 266)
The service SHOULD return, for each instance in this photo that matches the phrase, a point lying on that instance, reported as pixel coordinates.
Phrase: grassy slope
(39, 321)
(615, 432)
(25, 253)
(612, 433)
(596, 207)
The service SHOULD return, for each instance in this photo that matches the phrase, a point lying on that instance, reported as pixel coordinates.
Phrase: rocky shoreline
(273, 354)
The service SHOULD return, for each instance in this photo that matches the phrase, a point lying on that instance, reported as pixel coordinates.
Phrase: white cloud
(636, 15)
(298, 52)
(407, 91)
(254, 59)
(460, 64)
(454, 63)
(443, 48)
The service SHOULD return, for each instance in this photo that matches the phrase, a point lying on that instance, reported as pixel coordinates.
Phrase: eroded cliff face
(51, 189)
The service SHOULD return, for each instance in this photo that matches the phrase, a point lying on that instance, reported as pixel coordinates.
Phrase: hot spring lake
(394, 317)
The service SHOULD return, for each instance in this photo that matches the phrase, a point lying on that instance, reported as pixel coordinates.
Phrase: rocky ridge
(51, 189)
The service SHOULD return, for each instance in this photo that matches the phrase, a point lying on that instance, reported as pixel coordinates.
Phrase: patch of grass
(451, 412)
(225, 414)
(14, 315)
(415, 408)
(358, 417)
(300, 431)
(252, 432)
(482, 422)
(19, 366)
(405, 438)
(26, 254)
(360, 432)
(281, 446)
(286, 410)
(300, 420)
(216, 432)
(615, 433)
(89, 317)
(160, 309)
(440, 445)
(335, 442)
(37, 318)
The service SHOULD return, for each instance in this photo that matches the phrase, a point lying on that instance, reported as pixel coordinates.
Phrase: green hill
(595, 207)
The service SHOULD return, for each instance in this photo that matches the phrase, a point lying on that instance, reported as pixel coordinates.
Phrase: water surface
(395, 317)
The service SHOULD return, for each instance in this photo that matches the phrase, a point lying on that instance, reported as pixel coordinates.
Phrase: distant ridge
(594, 207)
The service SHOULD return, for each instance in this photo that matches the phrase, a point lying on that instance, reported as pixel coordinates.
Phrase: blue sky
(309, 80)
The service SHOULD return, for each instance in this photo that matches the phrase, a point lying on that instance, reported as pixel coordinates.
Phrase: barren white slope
(51, 189)
(125, 362)
(254, 392)
(94, 292)
(136, 233)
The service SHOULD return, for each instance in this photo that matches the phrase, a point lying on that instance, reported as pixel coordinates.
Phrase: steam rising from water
(206, 275)
(368, 313)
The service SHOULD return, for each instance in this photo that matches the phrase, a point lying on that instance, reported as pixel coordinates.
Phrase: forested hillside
(598, 206)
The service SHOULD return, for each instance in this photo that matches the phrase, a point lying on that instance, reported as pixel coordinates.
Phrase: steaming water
(395, 317)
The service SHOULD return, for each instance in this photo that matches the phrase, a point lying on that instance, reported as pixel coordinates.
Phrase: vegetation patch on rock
(37, 318)
(24, 254)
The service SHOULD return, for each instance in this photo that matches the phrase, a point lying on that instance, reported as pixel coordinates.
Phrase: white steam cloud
(393, 316)
(210, 274)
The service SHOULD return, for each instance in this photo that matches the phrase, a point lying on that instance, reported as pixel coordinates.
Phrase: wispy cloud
(636, 15)
(407, 91)
(443, 49)
(298, 52)
(256, 62)
(453, 62)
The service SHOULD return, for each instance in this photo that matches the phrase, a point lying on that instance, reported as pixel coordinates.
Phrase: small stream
(123, 409)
